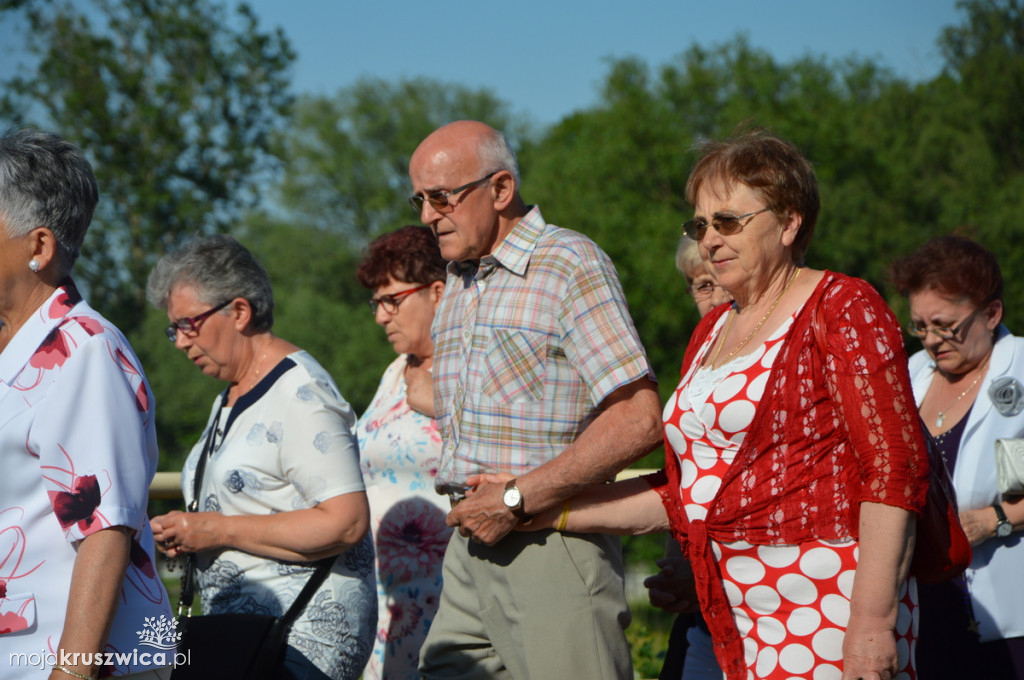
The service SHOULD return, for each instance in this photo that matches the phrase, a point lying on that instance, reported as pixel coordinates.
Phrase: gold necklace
(259, 366)
(751, 334)
(942, 414)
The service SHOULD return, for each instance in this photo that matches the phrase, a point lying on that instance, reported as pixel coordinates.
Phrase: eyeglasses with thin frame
(921, 330)
(440, 200)
(724, 223)
(191, 324)
(703, 290)
(390, 302)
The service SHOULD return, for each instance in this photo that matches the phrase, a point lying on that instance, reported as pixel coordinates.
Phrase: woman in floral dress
(795, 460)
(400, 447)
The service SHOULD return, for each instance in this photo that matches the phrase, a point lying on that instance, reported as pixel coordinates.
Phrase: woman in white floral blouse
(77, 441)
(281, 487)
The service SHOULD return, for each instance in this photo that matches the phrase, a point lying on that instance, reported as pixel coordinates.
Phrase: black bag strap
(188, 576)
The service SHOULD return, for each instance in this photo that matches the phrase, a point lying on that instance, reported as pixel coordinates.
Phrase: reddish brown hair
(409, 254)
(953, 266)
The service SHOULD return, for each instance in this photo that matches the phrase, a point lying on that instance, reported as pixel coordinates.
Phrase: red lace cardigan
(830, 433)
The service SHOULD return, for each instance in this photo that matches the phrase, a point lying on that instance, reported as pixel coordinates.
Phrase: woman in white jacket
(967, 384)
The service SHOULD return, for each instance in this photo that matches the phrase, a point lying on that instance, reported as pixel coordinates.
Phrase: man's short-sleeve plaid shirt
(527, 343)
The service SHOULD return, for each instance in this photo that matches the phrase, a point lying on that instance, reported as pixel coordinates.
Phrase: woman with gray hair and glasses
(281, 486)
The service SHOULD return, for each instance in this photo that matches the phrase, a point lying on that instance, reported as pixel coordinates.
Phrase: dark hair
(219, 268)
(409, 254)
(46, 182)
(953, 266)
(771, 166)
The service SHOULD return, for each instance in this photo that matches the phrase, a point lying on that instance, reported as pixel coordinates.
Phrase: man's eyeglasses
(945, 332)
(390, 302)
(703, 290)
(191, 324)
(439, 200)
(724, 224)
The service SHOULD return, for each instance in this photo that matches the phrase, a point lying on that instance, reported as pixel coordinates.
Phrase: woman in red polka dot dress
(795, 461)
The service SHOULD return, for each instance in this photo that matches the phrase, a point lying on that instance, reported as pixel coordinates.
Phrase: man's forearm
(628, 427)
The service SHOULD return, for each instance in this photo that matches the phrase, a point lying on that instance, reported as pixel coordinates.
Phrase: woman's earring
(33, 264)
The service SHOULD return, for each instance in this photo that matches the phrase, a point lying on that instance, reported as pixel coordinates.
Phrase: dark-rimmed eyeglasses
(390, 302)
(921, 330)
(724, 224)
(191, 324)
(439, 200)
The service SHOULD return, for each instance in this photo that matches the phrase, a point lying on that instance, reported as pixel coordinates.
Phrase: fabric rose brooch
(1007, 394)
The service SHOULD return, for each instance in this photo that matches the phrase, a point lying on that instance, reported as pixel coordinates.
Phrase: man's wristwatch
(513, 499)
(1003, 526)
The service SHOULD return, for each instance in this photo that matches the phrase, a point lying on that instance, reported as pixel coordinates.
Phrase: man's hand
(482, 516)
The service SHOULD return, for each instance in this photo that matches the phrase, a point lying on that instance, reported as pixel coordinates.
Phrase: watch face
(512, 497)
(1004, 529)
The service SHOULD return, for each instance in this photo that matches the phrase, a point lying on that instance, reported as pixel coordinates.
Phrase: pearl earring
(33, 264)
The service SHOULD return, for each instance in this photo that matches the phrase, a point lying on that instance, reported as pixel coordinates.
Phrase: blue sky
(548, 58)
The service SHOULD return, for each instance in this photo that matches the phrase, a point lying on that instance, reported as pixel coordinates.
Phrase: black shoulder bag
(242, 646)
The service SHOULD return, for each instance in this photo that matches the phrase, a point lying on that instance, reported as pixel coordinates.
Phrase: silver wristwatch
(1003, 526)
(513, 500)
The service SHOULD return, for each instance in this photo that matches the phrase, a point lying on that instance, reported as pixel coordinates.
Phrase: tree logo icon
(161, 633)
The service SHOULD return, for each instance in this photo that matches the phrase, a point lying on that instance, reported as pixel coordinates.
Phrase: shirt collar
(36, 329)
(513, 253)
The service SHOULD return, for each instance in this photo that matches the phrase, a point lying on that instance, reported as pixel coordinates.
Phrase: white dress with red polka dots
(791, 603)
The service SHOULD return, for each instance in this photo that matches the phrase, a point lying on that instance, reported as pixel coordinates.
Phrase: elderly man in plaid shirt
(542, 389)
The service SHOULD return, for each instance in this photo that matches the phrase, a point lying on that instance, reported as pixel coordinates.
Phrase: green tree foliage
(173, 103)
(348, 155)
(985, 56)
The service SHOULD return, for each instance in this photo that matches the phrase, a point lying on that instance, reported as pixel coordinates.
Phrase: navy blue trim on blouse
(258, 390)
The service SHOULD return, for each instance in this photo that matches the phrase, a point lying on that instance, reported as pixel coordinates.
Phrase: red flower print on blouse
(140, 560)
(411, 540)
(61, 305)
(11, 622)
(79, 505)
(405, 618)
(142, 398)
(65, 300)
(3, 589)
(53, 352)
(88, 324)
